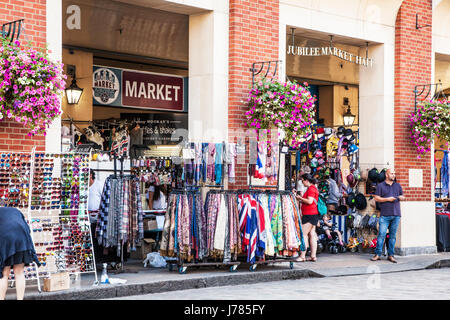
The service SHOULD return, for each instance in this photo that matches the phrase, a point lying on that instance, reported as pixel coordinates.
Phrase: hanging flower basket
(30, 87)
(431, 119)
(287, 106)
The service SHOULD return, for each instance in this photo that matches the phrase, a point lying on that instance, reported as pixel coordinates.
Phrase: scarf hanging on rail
(258, 224)
(120, 219)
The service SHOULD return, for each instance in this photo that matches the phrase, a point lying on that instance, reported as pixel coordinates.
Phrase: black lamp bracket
(71, 70)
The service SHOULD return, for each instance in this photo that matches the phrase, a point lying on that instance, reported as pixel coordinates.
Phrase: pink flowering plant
(30, 86)
(431, 119)
(287, 106)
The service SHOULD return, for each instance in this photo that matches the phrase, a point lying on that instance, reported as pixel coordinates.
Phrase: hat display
(360, 201)
(328, 132)
(352, 149)
(382, 176)
(342, 210)
(351, 180)
(373, 175)
(349, 221)
(320, 131)
(351, 200)
(348, 133)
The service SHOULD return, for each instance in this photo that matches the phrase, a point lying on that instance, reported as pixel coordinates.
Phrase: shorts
(310, 218)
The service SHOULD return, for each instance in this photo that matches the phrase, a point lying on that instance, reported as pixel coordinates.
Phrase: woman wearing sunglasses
(16, 250)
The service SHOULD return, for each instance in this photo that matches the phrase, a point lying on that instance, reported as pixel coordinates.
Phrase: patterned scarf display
(121, 216)
(229, 223)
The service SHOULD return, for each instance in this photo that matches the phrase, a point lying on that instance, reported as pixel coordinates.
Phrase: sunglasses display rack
(52, 189)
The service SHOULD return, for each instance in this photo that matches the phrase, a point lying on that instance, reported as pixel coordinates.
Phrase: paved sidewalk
(142, 280)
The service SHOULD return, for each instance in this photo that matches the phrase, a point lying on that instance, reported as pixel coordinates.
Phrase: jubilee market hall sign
(329, 51)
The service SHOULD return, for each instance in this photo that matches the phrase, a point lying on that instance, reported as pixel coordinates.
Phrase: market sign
(135, 89)
(329, 51)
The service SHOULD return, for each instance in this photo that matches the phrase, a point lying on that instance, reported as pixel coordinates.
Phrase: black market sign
(160, 128)
(329, 51)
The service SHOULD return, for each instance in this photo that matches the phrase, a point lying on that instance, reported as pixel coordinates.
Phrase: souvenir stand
(53, 189)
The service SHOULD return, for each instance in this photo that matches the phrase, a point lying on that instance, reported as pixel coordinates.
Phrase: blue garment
(385, 190)
(204, 160)
(15, 236)
(298, 162)
(444, 175)
(391, 223)
(219, 163)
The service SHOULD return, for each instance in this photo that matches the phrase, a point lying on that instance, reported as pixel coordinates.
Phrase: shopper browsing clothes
(95, 196)
(310, 215)
(388, 194)
(157, 198)
(16, 250)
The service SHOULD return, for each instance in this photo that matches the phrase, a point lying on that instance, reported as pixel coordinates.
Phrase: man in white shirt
(95, 196)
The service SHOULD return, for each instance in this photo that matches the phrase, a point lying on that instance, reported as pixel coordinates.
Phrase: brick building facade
(258, 31)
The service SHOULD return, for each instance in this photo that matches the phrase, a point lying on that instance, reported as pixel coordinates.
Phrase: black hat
(341, 210)
(365, 221)
(374, 175)
(351, 138)
(340, 131)
(382, 175)
(360, 201)
(351, 200)
(349, 221)
(348, 132)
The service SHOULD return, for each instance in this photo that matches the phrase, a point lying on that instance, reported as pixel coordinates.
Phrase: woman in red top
(310, 215)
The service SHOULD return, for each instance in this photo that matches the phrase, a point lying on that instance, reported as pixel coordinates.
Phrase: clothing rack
(183, 266)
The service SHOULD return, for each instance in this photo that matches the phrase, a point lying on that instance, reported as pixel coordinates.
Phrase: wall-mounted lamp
(73, 92)
(349, 118)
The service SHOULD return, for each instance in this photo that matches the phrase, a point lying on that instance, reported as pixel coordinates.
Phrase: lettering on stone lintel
(329, 51)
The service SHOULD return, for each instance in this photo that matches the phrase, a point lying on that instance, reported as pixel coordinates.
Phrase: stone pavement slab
(142, 280)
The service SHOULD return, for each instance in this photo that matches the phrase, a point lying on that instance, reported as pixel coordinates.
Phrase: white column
(54, 41)
(376, 108)
(208, 75)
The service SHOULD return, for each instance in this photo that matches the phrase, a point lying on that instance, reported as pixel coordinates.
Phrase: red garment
(310, 209)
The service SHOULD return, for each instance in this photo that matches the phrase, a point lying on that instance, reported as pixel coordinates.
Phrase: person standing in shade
(388, 194)
(16, 250)
(95, 197)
